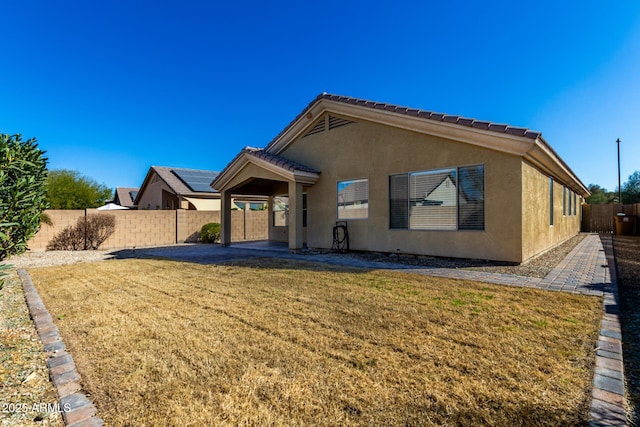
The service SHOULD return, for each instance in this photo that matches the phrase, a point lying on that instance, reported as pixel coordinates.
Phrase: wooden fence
(602, 218)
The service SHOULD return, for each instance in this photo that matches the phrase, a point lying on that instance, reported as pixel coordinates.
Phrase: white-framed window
(353, 199)
(440, 199)
(280, 211)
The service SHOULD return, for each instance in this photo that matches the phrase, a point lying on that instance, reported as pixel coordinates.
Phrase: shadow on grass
(209, 254)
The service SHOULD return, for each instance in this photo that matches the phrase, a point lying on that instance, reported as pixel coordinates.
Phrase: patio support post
(295, 216)
(225, 218)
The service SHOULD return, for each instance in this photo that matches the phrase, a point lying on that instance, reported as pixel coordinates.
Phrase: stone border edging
(608, 402)
(77, 408)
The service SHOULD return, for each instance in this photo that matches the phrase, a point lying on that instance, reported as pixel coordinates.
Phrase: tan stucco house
(408, 181)
(178, 188)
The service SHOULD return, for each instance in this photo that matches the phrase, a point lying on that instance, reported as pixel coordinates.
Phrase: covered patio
(255, 172)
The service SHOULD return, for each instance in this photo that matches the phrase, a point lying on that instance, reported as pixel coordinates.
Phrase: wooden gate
(602, 218)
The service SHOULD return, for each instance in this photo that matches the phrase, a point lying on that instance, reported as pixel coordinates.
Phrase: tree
(599, 195)
(631, 189)
(23, 175)
(68, 189)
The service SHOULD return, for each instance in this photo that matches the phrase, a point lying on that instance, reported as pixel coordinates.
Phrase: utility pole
(619, 187)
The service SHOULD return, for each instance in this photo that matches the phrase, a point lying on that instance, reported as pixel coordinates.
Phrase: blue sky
(110, 88)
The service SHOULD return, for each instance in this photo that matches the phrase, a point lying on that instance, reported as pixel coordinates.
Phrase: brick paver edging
(77, 408)
(608, 404)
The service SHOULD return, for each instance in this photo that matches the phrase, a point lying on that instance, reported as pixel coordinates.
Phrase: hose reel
(340, 237)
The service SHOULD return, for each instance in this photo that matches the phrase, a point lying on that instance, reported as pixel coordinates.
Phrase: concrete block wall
(61, 219)
(140, 228)
(256, 225)
(190, 223)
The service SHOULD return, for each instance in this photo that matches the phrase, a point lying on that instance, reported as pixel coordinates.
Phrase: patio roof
(287, 169)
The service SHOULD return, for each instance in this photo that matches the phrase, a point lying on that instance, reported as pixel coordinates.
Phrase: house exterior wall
(366, 150)
(152, 198)
(538, 234)
(158, 195)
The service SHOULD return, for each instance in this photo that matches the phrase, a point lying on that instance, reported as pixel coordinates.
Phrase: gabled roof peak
(414, 112)
(431, 115)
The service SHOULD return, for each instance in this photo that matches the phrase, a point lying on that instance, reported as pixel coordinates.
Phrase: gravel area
(53, 258)
(27, 396)
(539, 266)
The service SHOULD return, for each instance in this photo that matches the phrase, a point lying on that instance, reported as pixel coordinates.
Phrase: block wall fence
(139, 228)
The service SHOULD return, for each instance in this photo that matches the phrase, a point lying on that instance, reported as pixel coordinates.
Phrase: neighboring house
(125, 196)
(409, 181)
(178, 188)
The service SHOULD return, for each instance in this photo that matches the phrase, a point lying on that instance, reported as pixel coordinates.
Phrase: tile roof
(428, 115)
(281, 162)
(125, 196)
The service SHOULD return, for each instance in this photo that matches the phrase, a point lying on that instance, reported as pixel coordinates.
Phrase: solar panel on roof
(197, 180)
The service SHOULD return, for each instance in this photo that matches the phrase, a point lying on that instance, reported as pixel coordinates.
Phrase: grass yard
(275, 342)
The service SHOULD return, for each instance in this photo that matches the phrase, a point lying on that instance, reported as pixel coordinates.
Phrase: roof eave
(528, 144)
(505, 142)
(145, 182)
(237, 164)
(545, 158)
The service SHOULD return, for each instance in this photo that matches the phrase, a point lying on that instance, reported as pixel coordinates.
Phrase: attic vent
(319, 127)
(335, 122)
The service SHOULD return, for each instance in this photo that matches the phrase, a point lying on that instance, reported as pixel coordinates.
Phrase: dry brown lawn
(274, 342)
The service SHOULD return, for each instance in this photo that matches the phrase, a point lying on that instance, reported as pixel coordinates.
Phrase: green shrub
(23, 176)
(210, 233)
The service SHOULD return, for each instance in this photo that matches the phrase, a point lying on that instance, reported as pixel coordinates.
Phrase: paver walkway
(584, 270)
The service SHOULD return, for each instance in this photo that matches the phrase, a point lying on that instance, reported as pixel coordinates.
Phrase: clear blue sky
(110, 88)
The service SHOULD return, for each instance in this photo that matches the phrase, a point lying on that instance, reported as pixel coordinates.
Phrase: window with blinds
(399, 201)
(471, 197)
(432, 197)
(280, 211)
(442, 199)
